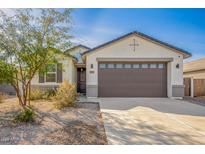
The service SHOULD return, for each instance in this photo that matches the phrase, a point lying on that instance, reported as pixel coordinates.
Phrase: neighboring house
(195, 69)
(194, 78)
(133, 65)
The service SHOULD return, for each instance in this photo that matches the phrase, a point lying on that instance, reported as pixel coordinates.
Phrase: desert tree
(29, 40)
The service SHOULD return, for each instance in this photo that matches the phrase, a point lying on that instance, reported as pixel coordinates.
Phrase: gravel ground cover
(82, 124)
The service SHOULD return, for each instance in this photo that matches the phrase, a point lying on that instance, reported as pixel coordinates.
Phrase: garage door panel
(131, 91)
(130, 82)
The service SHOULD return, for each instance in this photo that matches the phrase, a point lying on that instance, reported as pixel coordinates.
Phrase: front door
(81, 84)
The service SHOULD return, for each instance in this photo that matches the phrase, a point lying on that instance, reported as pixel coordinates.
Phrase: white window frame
(51, 73)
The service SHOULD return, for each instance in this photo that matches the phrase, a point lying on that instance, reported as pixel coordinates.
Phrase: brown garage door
(132, 79)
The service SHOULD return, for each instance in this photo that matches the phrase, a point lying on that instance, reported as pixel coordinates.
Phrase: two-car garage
(132, 79)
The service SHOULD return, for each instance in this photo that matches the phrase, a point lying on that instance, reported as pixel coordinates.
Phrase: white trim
(135, 59)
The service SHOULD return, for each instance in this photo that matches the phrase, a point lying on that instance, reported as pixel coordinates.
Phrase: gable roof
(68, 55)
(195, 65)
(76, 46)
(57, 51)
(142, 35)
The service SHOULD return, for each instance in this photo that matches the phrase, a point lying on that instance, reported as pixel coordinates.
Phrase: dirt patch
(80, 125)
(76, 133)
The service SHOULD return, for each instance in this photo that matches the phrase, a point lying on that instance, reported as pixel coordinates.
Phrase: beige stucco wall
(146, 49)
(195, 74)
(73, 73)
(68, 72)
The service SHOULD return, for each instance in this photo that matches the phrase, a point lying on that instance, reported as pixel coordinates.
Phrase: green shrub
(66, 95)
(36, 94)
(26, 115)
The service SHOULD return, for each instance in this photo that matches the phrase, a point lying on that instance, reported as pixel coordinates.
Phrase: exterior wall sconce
(91, 69)
(177, 66)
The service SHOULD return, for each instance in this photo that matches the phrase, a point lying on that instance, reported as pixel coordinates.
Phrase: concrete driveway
(152, 121)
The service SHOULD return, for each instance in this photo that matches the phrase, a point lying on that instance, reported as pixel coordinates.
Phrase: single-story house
(194, 77)
(133, 65)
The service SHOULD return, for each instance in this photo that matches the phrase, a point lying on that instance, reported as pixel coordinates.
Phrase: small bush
(66, 95)
(2, 97)
(36, 94)
(26, 115)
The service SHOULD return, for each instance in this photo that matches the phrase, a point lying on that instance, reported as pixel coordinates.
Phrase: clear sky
(184, 28)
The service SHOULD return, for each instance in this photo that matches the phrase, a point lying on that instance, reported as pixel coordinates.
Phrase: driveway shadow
(120, 131)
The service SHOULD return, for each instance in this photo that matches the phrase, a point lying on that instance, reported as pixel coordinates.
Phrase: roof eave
(80, 45)
(193, 70)
(187, 56)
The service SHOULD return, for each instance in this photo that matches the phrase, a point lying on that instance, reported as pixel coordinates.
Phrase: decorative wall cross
(134, 44)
